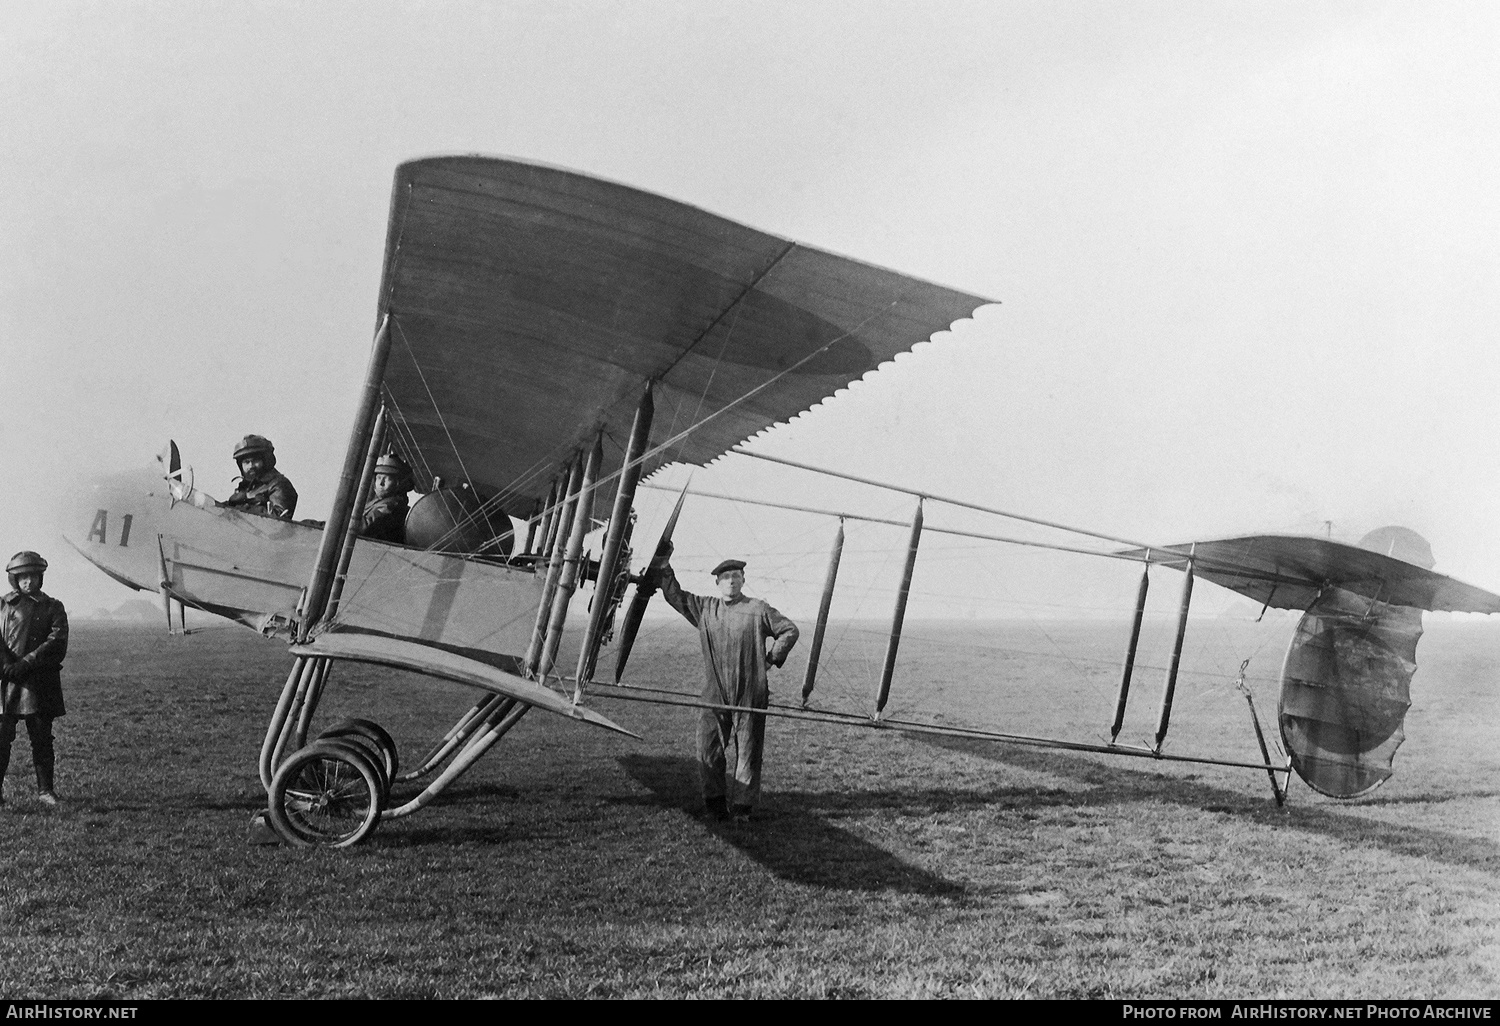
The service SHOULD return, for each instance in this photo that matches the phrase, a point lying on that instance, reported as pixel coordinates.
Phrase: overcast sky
(1247, 253)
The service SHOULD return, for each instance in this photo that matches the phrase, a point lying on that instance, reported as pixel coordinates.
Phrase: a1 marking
(100, 528)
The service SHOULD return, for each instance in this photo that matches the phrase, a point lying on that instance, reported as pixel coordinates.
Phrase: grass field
(571, 862)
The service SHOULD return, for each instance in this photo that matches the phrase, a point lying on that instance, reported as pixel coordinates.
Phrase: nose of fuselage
(114, 522)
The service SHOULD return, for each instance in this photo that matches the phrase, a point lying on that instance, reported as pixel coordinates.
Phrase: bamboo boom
(563, 518)
(810, 678)
(571, 559)
(614, 539)
(1166, 699)
(626, 694)
(1135, 637)
(321, 584)
(900, 615)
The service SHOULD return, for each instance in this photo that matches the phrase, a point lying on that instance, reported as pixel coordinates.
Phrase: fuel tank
(455, 520)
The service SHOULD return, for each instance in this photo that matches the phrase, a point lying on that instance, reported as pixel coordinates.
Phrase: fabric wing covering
(529, 305)
(1288, 572)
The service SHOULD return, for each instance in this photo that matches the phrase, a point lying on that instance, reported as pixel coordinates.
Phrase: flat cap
(727, 565)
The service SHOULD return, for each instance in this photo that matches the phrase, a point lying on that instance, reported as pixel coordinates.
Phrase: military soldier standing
(263, 489)
(385, 514)
(741, 636)
(34, 628)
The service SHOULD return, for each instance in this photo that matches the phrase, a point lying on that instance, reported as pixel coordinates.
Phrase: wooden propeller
(646, 585)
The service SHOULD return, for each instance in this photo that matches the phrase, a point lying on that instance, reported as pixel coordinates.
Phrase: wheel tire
(328, 795)
(371, 731)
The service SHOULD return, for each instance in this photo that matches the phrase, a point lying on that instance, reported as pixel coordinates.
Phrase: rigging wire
(899, 523)
(410, 352)
(738, 451)
(413, 451)
(674, 439)
(680, 436)
(737, 306)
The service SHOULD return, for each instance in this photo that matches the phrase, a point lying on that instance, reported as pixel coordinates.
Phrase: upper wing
(1288, 572)
(530, 304)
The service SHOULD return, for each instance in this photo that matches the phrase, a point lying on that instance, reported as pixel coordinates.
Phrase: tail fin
(1346, 683)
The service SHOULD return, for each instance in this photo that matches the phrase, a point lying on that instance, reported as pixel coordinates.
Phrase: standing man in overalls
(741, 636)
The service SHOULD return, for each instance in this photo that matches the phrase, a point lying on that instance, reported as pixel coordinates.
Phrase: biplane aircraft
(531, 322)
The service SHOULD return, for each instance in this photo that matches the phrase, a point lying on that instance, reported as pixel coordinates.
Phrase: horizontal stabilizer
(1289, 572)
(410, 655)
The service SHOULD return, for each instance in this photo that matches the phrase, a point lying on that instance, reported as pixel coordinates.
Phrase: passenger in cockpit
(385, 514)
(263, 490)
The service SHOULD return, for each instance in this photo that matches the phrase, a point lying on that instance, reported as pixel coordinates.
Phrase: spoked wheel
(328, 794)
(376, 740)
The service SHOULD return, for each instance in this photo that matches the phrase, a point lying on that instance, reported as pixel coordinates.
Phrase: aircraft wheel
(370, 733)
(328, 794)
(365, 749)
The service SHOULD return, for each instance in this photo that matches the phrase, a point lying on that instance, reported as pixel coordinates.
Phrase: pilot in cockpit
(384, 515)
(263, 490)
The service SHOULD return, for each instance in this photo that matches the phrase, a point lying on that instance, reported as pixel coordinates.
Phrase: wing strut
(329, 548)
(827, 600)
(614, 539)
(1135, 637)
(1165, 715)
(900, 615)
(559, 529)
(549, 514)
(361, 496)
(572, 557)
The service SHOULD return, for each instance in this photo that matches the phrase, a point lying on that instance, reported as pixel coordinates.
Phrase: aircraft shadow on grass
(791, 835)
(1113, 784)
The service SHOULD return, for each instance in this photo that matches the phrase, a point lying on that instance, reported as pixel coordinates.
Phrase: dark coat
(272, 496)
(34, 629)
(385, 519)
